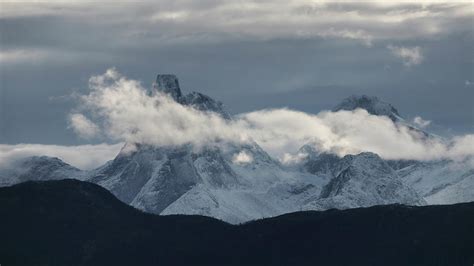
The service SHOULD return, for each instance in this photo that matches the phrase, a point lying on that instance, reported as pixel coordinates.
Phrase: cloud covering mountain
(123, 110)
(118, 109)
(185, 154)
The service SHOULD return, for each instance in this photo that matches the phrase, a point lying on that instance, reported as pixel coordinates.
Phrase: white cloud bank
(84, 156)
(125, 112)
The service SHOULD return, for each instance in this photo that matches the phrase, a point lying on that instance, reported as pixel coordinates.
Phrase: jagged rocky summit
(168, 84)
(373, 105)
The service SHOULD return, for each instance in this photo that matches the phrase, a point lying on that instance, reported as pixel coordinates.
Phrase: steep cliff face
(168, 84)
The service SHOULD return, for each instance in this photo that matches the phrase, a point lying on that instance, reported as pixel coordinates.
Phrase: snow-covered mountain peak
(168, 84)
(40, 160)
(373, 105)
(366, 180)
(38, 168)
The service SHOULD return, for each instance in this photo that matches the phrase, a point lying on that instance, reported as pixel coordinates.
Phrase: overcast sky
(250, 55)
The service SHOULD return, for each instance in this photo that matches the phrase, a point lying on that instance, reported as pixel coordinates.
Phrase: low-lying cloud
(84, 156)
(122, 110)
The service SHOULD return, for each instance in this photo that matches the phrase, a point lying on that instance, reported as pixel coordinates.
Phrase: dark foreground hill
(70, 222)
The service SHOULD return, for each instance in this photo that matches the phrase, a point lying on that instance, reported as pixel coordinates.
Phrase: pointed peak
(168, 83)
(373, 105)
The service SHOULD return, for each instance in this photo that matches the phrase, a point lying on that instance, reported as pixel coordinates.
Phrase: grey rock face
(168, 84)
(324, 164)
(205, 103)
(321, 163)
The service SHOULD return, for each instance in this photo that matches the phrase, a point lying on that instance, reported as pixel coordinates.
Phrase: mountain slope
(441, 182)
(79, 223)
(166, 171)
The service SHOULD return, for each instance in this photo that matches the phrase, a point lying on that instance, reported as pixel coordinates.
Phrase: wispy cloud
(420, 122)
(410, 55)
(22, 55)
(34, 55)
(359, 35)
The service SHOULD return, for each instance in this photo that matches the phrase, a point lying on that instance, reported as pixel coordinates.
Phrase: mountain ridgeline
(71, 222)
(210, 182)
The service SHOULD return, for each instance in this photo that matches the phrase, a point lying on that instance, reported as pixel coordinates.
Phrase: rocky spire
(168, 84)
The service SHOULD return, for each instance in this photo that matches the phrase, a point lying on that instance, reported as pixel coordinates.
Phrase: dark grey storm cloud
(250, 55)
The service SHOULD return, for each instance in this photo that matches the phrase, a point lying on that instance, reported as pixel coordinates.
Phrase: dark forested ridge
(70, 222)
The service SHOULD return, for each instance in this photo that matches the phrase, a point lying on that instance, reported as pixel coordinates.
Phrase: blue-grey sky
(250, 55)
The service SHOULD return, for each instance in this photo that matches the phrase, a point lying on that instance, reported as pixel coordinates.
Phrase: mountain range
(211, 182)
